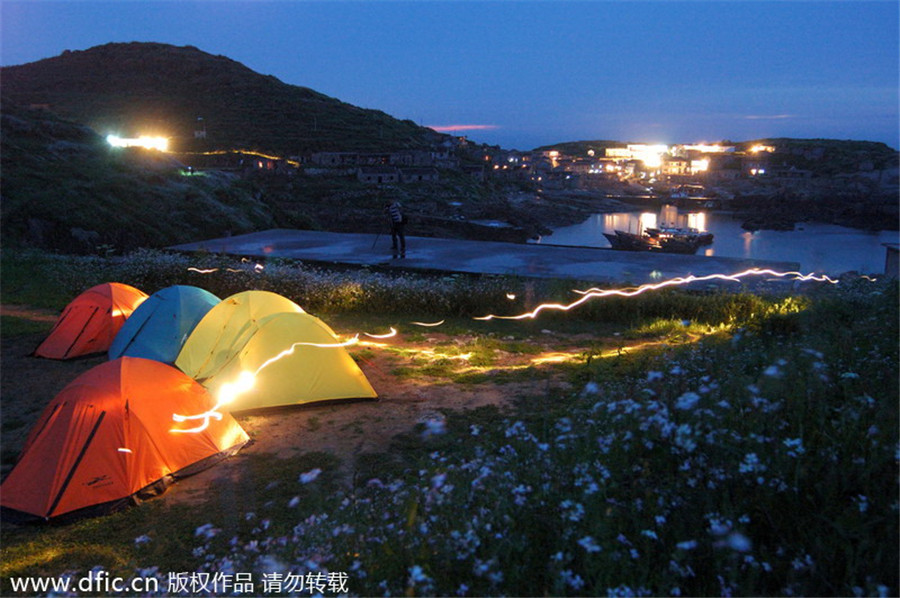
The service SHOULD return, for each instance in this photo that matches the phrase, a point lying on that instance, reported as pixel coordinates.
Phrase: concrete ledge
(481, 257)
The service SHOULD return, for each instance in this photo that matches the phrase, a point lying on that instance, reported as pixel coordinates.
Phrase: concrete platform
(482, 257)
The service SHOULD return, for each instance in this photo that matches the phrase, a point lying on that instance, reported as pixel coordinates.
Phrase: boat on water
(691, 234)
(645, 242)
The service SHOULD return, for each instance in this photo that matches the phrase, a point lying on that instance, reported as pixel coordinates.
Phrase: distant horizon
(529, 74)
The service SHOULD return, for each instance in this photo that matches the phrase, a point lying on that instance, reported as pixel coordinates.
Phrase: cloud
(769, 116)
(453, 128)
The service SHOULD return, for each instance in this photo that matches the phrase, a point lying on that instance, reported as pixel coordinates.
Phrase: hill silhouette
(158, 89)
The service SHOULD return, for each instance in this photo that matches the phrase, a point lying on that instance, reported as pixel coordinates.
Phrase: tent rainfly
(158, 328)
(108, 440)
(90, 322)
(295, 359)
(229, 324)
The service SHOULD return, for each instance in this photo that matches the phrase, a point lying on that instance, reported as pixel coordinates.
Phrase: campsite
(683, 441)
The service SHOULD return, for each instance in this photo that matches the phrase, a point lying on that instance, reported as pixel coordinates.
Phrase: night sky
(522, 74)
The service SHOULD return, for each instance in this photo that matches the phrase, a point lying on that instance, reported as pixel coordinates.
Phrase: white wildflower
(739, 542)
(310, 476)
(687, 401)
(589, 544)
(206, 531)
(417, 575)
(773, 371)
(794, 446)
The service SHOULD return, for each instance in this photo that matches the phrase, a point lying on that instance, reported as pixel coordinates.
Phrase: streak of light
(229, 391)
(511, 296)
(206, 271)
(390, 334)
(632, 291)
(429, 324)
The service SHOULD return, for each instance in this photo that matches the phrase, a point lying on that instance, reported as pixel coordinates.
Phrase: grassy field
(685, 442)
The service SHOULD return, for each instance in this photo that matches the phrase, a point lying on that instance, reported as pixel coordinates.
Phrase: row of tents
(127, 428)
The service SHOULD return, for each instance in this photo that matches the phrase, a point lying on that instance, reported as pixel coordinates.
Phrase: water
(817, 247)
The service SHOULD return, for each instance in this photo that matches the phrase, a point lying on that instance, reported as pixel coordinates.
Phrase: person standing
(398, 223)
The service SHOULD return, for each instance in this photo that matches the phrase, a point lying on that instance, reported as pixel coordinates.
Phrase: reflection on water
(816, 247)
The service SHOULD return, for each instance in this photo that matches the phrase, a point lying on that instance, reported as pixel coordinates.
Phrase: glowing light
(762, 148)
(230, 391)
(124, 450)
(390, 334)
(699, 165)
(511, 296)
(157, 143)
(428, 324)
(594, 293)
(206, 271)
(650, 155)
(707, 149)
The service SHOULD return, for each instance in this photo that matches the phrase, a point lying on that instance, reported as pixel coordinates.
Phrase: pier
(476, 257)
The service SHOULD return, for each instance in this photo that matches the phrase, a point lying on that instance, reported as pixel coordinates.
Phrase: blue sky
(529, 73)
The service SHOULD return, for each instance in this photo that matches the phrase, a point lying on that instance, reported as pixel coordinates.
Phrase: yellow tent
(292, 357)
(229, 324)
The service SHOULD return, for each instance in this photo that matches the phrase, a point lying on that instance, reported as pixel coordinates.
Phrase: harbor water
(817, 247)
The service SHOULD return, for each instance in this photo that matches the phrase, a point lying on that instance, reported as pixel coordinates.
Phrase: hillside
(150, 88)
(65, 189)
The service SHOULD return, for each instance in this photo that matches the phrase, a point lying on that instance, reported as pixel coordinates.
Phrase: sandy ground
(344, 429)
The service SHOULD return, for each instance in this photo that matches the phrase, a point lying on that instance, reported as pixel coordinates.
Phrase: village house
(378, 175)
(676, 166)
(334, 159)
(418, 175)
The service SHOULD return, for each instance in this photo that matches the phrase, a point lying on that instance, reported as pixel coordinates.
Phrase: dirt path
(408, 394)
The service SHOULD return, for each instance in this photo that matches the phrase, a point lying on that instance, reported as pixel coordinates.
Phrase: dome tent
(108, 440)
(158, 328)
(296, 359)
(227, 325)
(90, 322)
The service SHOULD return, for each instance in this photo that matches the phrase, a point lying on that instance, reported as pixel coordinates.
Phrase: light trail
(230, 391)
(206, 271)
(633, 291)
(390, 334)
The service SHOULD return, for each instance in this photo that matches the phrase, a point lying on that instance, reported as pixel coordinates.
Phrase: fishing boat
(686, 234)
(645, 242)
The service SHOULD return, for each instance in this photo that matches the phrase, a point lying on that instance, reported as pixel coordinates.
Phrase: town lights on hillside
(158, 143)
(762, 148)
(650, 155)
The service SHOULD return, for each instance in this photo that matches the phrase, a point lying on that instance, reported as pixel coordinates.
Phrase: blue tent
(159, 326)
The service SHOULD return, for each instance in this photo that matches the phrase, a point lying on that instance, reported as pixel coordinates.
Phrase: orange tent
(90, 322)
(108, 440)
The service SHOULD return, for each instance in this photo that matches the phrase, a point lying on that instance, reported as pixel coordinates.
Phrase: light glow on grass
(594, 293)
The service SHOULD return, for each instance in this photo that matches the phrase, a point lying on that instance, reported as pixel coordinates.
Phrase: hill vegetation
(65, 189)
(150, 88)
